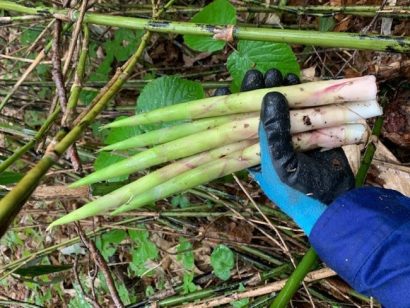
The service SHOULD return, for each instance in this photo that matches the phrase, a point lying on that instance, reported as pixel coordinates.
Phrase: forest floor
(161, 255)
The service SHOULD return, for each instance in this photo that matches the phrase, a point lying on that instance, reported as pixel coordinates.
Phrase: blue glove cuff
(304, 210)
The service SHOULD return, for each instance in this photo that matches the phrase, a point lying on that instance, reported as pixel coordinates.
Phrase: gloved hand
(299, 183)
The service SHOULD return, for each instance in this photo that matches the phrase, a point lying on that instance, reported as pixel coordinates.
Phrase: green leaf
(78, 300)
(165, 91)
(126, 295)
(219, 12)
(105, 159)
(187, 283)
(145, 251)
(99, 133)
(185, 254)
(7, 177)
(100, 74)
(43, 69)
(38, 270)
(124, 44)
(121, 133)
(326, 24)
(108, 242)
(29, 36)
(262, 56)
(243, 302)
(222, 261)
(149, 291)
(34, 118)
(180, 201)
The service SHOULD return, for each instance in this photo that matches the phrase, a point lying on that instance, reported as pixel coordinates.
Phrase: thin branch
(102, 265)
(285, 247)
(258, 291)
(77, 278)
(57, 74)
(74, 36)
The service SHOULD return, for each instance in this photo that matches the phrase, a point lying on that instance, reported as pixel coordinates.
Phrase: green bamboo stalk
(5, 20)
(130, 84)
(78, 78)
(317, 38)
(213, 291)
(11, 204)
(309, 94)
(323, 10)
(183, 147)
(262, 301)
(399, 12)
(171, 133)
(153, 179)
(72, 102)
(37, 137)
(295, 279)
(42, 54)
(368, 154)
(260, 254)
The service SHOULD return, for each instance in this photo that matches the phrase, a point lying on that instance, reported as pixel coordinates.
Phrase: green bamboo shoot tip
(125, 193)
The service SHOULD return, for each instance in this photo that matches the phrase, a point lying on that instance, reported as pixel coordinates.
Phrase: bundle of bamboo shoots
(220, 136)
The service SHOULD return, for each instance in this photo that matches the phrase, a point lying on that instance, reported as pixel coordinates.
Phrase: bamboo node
(224, 33)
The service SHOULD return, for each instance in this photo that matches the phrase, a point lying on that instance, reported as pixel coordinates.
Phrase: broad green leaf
(125, 43)
(100, 74)
(43, 69)
(219, 12)
(29, 36)
(144, 251)
(185, 254)
(38, 270)
(105, 159)
(165, 91)
(222, 261)
(7, 177)
(120, 48)
(261, 56)
(78, 300)
(108, 242)
(121, 133)
(99, 133)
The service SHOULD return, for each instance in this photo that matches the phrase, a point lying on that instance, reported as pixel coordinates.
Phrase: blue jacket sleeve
(364, 236)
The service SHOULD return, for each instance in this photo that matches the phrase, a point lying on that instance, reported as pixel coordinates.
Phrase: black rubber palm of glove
(323, 175)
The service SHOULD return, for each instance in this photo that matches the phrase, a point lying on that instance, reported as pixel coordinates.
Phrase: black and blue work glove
(300, 184)
(364, 235)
